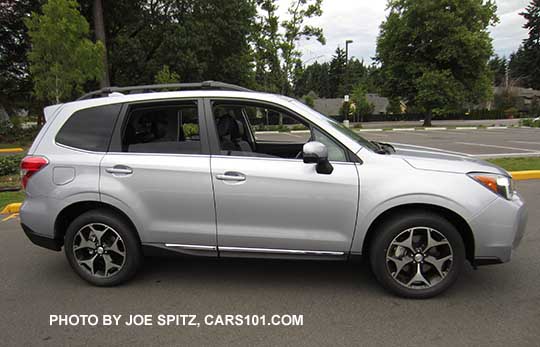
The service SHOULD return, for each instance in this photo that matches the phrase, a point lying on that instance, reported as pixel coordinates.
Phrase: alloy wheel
(99, 250)
(419, 258)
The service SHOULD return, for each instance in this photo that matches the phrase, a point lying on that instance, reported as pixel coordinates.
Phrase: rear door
(158, 168)
(268, 201)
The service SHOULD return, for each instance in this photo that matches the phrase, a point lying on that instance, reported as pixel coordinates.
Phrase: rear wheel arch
(70, 212)
(454, 218)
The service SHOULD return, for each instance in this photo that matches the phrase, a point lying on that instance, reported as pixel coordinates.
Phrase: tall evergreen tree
(525, 63)
(498, 67)
(338, 69)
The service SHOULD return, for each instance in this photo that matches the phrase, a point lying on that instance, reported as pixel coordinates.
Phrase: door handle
(232, 176)
(119, 170)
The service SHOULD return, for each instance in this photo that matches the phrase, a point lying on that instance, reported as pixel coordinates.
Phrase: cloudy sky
(359, 20)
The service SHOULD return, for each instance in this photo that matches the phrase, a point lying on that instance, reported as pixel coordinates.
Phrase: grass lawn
(517, 164)
(10, 197)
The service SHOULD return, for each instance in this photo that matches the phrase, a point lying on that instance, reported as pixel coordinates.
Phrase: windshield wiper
(384, 148)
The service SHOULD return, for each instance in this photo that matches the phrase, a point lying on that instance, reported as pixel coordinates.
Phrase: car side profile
(213, 169)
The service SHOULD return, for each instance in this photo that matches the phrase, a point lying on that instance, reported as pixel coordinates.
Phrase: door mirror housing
(315, 152)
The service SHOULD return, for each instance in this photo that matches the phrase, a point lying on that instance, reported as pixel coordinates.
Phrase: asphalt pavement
(341, 303)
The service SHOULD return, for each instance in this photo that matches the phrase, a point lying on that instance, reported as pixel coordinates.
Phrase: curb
(437, 128)
(11, 150)
(11, 208)
(525, 175)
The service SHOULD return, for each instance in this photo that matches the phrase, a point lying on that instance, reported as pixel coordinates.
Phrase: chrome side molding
(278, 251)
(192, 247)
(254, 250)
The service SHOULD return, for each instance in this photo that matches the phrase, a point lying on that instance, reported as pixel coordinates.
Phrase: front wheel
(102, 248)
(417, 255)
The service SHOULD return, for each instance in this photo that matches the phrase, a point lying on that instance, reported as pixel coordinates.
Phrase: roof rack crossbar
(212, 85)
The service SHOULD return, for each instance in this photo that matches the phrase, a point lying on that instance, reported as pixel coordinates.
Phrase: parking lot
(482, 143)
(341, 302)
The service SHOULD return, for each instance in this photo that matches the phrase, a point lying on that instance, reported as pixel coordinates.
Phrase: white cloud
(359, 20)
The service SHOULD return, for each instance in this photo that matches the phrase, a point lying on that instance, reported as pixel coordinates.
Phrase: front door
(268, 201)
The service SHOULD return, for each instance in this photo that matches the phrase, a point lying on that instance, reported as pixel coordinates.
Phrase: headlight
(499, 184)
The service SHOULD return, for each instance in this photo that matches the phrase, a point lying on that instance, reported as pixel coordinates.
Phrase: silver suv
(217, 170)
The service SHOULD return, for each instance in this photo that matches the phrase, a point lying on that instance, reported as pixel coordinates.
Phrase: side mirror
(316, 153)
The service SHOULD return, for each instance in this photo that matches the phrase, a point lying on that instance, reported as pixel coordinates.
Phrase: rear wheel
(418, 255)
(102, 248)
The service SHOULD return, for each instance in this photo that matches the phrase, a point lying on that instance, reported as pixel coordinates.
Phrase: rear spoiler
(50, 111)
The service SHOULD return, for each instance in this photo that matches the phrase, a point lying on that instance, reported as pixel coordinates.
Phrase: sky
(359, 21)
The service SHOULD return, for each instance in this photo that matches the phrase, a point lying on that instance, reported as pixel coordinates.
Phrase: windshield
(341, 128)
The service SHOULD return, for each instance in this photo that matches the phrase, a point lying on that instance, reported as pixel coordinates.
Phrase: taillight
(31, 165)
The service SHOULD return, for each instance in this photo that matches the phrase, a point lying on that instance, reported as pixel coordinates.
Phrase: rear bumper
(42, 240)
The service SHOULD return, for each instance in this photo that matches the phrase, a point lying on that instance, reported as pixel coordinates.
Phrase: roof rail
(208, 85)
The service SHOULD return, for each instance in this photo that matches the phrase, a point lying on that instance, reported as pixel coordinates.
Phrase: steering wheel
(300, 155)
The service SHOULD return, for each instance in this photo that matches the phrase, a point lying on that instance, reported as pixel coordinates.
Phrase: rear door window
(89, 129)
(163, 128)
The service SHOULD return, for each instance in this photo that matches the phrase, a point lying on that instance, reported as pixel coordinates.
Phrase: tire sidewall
(131, 243)
(389, 230)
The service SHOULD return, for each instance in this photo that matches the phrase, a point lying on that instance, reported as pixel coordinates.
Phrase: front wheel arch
(459, 223)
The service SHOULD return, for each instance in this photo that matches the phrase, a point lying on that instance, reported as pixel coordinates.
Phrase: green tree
(426, 42)
(338, 70)
(314, 77)
(267, 42)
(166, 76)
(394, 106)
(295, 29)
(62, 57)
(498, 67)
(15, 82)
(362, 106)
(199, 40)
(525, 62)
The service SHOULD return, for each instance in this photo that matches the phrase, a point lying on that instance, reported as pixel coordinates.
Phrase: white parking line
(404, 129)
(493, 128)
(369, 130)
(526, 142)
(434, 129)
(495, 146)
(466, 128)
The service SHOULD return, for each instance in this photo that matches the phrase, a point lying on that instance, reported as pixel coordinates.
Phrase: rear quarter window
(90, 129)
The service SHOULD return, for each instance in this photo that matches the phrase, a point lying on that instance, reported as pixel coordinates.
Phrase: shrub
(299, 127)
(282, 128)
(9, 165)
(535, 123)
(190, 130)
(13, 132)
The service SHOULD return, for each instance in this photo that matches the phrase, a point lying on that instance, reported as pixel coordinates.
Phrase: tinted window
(162, 129)
(89, 129)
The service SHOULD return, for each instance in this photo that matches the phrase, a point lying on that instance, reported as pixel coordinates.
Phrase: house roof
(331, 107)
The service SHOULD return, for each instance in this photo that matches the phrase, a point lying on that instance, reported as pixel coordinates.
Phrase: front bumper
(498, 230)
(41, 240)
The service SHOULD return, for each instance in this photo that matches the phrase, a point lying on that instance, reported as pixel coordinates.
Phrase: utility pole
(347, 43)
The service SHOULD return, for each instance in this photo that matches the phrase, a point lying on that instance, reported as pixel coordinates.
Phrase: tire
(102, 248)
(440, 261)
